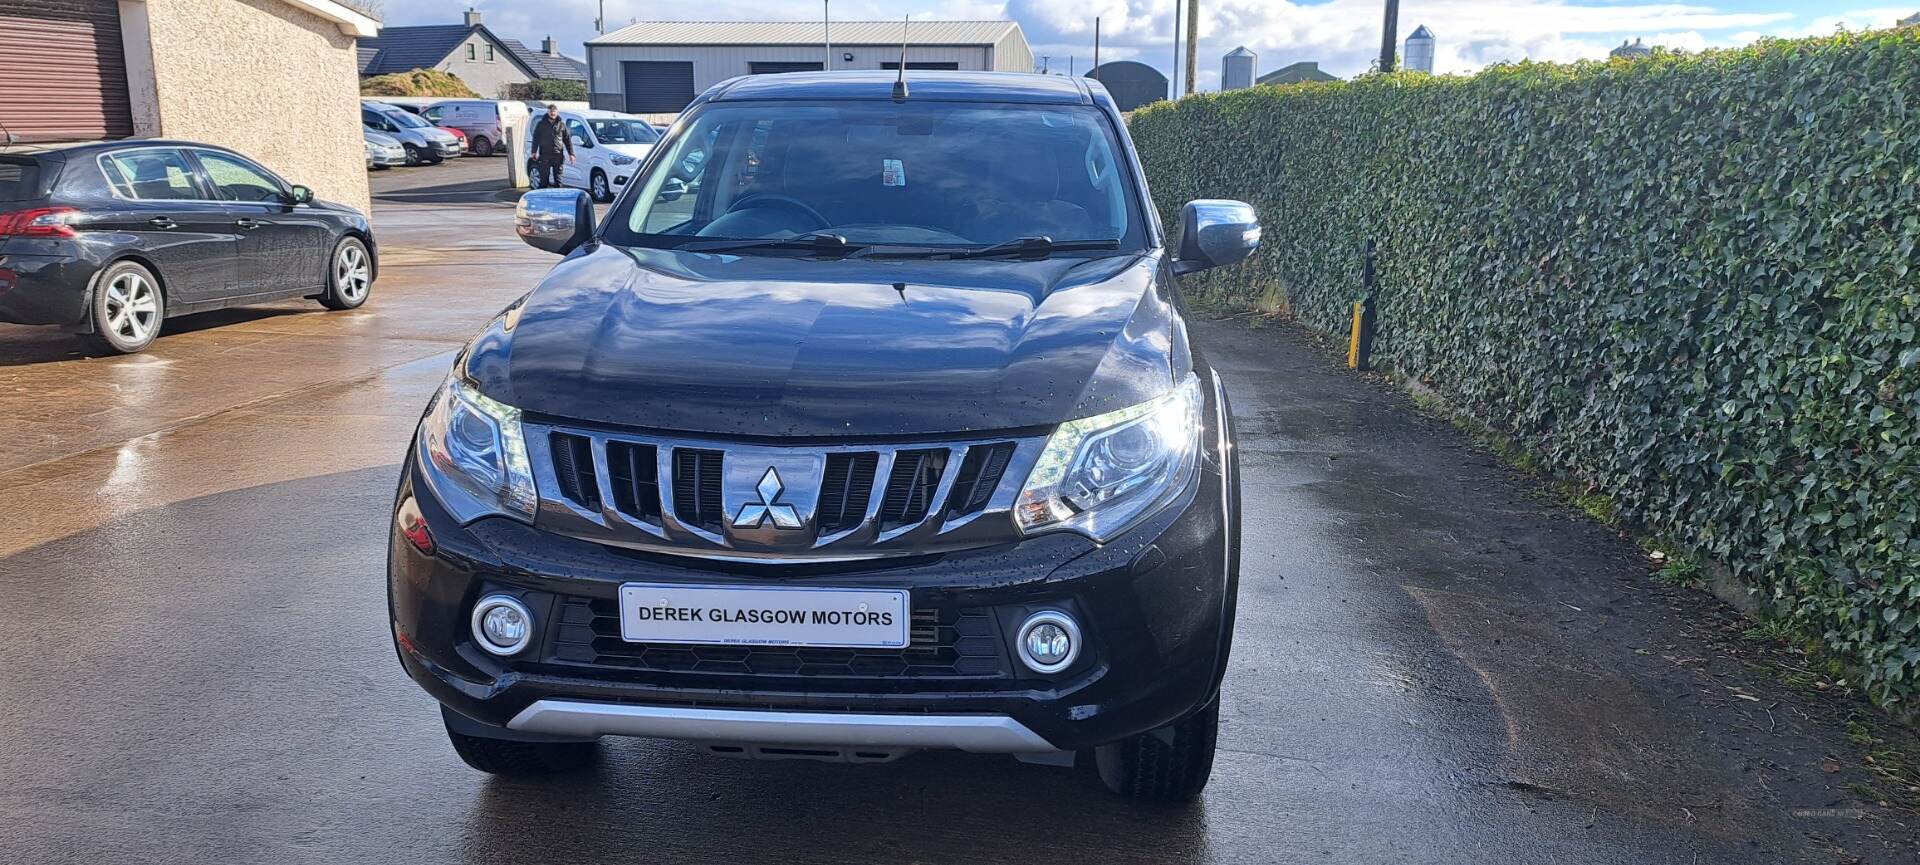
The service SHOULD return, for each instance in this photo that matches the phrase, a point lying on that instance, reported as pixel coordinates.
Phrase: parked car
(879, 441)
(478, 119)
(109, 240)
(607, 147)
(423, 141)
(383, 150)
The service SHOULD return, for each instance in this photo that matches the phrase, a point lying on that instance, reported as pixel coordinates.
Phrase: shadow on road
(24, 346)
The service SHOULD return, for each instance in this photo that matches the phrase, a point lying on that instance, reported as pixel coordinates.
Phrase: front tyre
(601, 191)
(413, 154)
(349, 276)
(127, 309)
(1170, 764)
(506, 757)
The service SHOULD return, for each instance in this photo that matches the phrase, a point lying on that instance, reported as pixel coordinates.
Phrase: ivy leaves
(1690, 280)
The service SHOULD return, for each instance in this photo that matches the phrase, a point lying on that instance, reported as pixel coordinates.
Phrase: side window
(151, 174)
(489, 53)
(373, 119)
(238, 180)
(470, 50)
(578, 131)
(432, 114)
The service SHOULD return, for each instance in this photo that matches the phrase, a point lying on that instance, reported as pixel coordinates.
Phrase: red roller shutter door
(63, 73)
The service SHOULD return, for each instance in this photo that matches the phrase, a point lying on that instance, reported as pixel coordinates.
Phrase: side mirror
(580, 142)
(1215, 231)
(301, 195)
(555, 220)
(672, 190)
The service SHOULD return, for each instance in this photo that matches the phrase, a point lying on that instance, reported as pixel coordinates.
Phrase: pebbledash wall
(263, 77)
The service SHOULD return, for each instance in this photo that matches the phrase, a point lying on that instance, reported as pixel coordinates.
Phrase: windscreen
(19, 179)
(915, 173)
(404, 119)
(623, 131)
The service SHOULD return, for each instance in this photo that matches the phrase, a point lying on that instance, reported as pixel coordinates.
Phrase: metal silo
(1238, 69)
(1419, 51)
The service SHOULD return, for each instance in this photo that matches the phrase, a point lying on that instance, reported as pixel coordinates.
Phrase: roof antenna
(900, 83)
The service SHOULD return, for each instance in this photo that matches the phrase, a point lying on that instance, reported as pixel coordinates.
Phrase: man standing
(551, 143)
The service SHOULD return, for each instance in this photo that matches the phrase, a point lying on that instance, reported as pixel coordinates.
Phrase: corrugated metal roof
(806, 33)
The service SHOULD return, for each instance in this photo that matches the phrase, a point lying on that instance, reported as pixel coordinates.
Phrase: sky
(1343, 36)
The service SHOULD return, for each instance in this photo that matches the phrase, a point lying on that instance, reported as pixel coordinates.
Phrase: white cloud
(1342, 35)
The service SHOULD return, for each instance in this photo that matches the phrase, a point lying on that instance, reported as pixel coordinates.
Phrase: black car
(108, 240)
(866, 422)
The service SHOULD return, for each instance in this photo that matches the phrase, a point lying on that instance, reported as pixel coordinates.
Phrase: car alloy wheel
(482, 146)
(413, 155)
(600, 190)
(133, 308)
(352, 273)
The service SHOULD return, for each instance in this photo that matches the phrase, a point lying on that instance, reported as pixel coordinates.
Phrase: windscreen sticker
(893, 172)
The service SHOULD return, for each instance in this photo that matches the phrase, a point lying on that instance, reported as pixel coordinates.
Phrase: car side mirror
(1215, 231)
(580, 142)
(301, 195)
(672, 190)
(555, 220)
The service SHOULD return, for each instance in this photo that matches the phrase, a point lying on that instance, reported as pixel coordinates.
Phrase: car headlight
(475, 455)
(1098, 474)
(623, 159)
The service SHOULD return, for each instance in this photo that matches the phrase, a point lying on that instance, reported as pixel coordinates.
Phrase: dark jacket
(551, 143)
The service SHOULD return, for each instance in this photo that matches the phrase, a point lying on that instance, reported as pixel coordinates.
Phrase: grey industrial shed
(655, 67)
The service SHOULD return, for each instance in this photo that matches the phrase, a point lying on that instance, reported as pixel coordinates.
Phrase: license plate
(764, 616)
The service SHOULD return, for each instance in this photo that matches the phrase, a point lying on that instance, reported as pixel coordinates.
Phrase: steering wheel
(772, 199)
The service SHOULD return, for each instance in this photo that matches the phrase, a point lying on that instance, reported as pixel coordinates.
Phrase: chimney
(548, 48)
(473, 18)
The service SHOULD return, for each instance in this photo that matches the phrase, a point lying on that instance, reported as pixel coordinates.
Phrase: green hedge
(1689, 280)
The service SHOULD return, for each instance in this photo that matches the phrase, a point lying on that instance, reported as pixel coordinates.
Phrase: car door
(161, 201)
(575, 172)
(283, 246)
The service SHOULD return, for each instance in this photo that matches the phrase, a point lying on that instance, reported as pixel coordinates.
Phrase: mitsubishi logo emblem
(752, 514)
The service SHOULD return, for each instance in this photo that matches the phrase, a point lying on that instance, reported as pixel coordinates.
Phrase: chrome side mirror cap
(1215, 231)
(555, 220)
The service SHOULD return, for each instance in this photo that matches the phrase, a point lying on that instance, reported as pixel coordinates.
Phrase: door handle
(247, 222)
(162, 222)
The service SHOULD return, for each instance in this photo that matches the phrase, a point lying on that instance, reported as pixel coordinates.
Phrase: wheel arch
(159, 283)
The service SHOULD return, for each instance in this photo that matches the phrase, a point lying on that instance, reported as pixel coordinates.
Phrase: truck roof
(943, 86)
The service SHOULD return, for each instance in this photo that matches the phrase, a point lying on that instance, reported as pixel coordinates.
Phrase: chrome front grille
(711, 498)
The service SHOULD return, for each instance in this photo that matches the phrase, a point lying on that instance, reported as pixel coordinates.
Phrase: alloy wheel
(600, 190)
(351, 272)
(133, 309)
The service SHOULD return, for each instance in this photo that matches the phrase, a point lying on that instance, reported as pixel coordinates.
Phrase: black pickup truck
(866, 421)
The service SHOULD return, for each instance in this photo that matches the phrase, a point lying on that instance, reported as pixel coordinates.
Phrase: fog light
(502, 625)
(1049, 641)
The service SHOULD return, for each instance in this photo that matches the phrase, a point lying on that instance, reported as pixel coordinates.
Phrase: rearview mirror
(1215, 231)
(555, 220)
(301, 195)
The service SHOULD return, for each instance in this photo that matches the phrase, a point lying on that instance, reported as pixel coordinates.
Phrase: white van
(607, 147)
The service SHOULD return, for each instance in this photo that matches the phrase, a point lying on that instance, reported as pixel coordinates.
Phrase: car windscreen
(623, 131)
(940, 174)
(19, 179)
(405, 120)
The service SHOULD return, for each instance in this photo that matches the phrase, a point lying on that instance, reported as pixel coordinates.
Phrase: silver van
(478, 118)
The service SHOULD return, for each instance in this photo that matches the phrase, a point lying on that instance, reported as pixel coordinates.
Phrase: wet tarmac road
(1433, 664)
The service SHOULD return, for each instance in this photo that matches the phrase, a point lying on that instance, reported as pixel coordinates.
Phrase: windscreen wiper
(1033, 246)
(817, 242)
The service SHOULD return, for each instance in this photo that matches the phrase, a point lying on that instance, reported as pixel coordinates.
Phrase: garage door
(775, 67)
(63, 76)
(656, 85)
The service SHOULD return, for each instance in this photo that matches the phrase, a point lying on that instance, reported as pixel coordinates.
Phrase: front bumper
(1155, 608)
(389, 158)
(449, 148)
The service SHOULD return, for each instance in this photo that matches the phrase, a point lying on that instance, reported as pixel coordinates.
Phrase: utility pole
(600, 23)
(1193, 39)
(1174, 73)
(1095, 71)
(826, 24)
(1388, 37)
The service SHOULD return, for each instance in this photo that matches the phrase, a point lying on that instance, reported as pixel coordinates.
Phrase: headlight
(476, 456)
(1098, 474)
(622, 159)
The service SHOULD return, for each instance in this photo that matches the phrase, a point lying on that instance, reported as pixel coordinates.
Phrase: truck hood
(783, 346)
